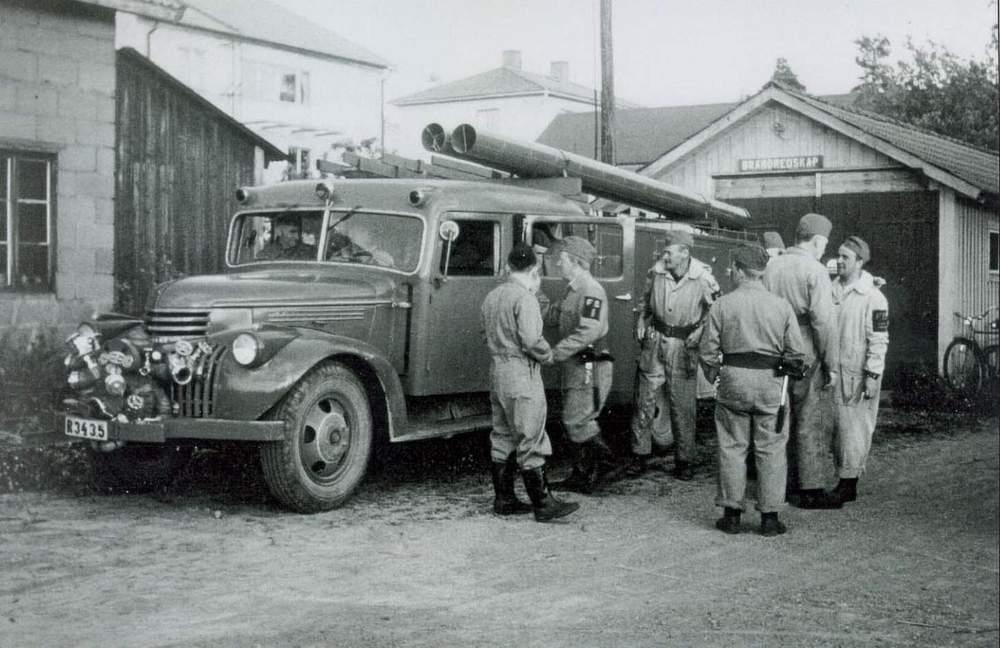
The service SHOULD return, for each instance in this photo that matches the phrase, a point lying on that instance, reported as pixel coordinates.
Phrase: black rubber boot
(817, 498)
(730, 521)
(583, 478)
(683, 471)
(546, 506)
(505, 501)
(846, 490)
(637, 467)
(771, 526)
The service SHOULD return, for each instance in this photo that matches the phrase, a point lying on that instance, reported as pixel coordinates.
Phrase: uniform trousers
(665, 363)
(855, 418)
(583, 399)
(519, 410)
(810, 442)
(746, 409)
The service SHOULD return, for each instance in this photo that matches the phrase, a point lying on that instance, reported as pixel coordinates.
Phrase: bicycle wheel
(964, 368)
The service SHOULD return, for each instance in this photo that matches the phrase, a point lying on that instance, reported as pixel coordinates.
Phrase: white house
(298, 85)
(507, 100)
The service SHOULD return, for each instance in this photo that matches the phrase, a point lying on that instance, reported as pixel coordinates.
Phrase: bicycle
(968, 367)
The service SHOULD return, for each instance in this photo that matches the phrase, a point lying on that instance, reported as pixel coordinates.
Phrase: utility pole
(607, 86)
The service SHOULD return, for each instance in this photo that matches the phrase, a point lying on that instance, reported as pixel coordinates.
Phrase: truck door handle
(625, 297)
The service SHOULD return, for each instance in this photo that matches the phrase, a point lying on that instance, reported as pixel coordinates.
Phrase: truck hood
(272, 287)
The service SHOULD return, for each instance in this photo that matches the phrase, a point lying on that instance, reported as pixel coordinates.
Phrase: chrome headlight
(246, 349)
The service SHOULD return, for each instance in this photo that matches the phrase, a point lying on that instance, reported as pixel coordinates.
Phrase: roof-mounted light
(418, 197)
(324, 190)
(244, 195)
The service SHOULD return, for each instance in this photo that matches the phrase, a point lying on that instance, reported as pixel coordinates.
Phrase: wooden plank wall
(177, 167)
(978, 287)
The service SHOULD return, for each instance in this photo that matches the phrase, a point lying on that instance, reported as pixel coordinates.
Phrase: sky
(666, 52)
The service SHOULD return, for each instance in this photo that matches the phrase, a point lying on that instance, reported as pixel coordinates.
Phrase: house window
(488, 118)
(298, 163)
(26, 215)
(294, 87)
(288, 86)
(994, 251)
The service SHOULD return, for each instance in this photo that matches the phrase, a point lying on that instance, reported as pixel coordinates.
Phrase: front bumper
(200, 429)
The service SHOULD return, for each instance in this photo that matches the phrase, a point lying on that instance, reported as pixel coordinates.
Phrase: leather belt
(680, 332)
(750, 360)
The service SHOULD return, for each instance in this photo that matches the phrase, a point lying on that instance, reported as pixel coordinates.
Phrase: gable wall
(757, 137)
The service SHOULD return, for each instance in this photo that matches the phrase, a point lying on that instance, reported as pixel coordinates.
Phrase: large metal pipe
(529, 159)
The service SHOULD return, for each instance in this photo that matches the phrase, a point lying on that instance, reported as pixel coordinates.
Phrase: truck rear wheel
(327, 444)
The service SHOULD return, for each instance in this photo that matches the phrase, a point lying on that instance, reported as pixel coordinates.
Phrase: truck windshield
(278, 236)
(352, 236)
(384, 240)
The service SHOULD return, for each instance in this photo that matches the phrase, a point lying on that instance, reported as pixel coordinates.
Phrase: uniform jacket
(804, 282)
(582, 317)
(512, 323)
(682, 302)
(862, 326)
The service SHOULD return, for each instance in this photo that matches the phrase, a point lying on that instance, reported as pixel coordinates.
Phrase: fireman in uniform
(863, 333)
(678, 293)
(799, 277)
(512, 323)
(774, 245)
(753, 331)
(587, 369)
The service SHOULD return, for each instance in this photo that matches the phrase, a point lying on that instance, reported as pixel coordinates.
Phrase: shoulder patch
(591, 308)
(880, 321)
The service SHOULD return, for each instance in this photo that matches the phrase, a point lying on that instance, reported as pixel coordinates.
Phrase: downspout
(149, 39)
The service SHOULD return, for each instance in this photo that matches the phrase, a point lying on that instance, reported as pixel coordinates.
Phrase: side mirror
(448, 231)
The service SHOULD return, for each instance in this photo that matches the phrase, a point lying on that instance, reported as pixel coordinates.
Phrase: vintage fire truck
(349, 313)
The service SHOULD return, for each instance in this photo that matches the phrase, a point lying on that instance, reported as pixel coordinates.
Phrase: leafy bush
(32, 380)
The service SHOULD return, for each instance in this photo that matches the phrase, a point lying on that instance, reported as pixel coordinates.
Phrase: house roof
(266, 22)
(976, 166)
(641, 135)
(501, 82)
(271, 152)
(158, 9)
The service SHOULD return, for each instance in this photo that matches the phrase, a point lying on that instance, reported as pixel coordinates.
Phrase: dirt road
(414, 561)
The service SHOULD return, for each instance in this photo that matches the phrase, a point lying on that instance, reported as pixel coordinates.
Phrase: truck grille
(197, 398)
(176, 324)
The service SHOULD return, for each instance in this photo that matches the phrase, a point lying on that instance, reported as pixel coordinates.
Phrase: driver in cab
(286, 243)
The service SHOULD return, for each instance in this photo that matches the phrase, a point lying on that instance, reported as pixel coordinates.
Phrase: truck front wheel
(327, 444)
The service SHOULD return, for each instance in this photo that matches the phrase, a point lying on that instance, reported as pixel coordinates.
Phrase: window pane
(473, 252)
(32, 267)
(288, 88)
(3, 217)
(3, 178)
(3, 265)
(994, 251)
(31, 179)
(31, 223)
(605, 237)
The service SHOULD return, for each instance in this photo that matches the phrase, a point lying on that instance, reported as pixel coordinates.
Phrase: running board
(449, 428)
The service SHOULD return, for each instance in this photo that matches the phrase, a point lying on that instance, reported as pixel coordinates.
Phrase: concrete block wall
(57, 95)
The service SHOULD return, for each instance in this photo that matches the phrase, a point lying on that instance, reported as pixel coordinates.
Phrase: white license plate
(85, 428)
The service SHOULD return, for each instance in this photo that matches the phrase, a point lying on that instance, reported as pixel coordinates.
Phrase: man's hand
(831, 379)
(871, 387)
(640, 332)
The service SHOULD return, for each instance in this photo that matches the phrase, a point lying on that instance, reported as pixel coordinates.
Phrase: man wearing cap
(678, 293)
(863, 334)
(774, 245)
(753, 331)
(512, 323)
(582, 321)
(799, 277)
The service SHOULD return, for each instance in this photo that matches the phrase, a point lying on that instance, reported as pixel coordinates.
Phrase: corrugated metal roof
(500, 82)
(266, 22)
(976, 166)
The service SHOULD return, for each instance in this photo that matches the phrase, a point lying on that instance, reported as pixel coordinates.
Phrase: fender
(247, 393)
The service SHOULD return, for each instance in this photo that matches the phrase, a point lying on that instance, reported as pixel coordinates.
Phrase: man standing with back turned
(512, 322)
(756, 334)
(678, 293)
(863, 331)
(799, 277)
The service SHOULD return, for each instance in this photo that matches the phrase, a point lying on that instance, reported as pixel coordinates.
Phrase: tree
(783, 73)
(935, 89)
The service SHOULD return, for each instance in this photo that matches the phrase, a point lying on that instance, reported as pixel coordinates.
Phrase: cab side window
(474, 251)
(606, 238)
